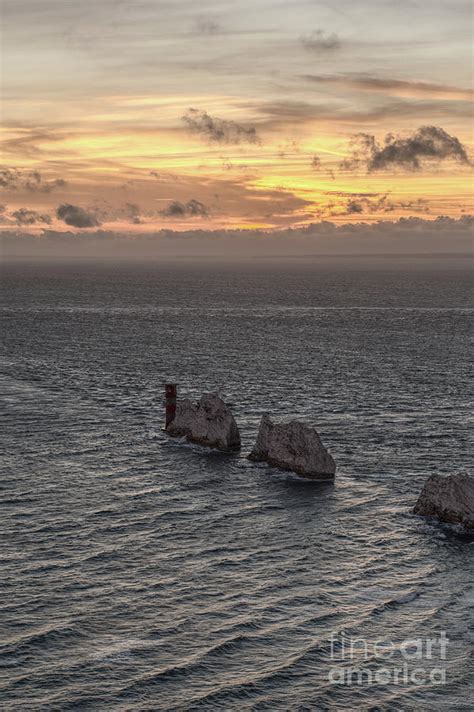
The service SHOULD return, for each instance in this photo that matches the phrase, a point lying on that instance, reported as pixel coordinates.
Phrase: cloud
(31, 181)
(411, 236)
(383, 203)
(76, 216)
(354, 206)
(428, 143)
(320, 41)
(278, 113)
(397, 87)
(288, 147)
(361, 203)
(287, 113)
(8, 178)
(163, 177)
(36, 185)
(375, 203)
(218, 130)
(25, 216)
(207, 26)
(193, 208)
(345, 194)
(317, 166)
(132, 211)
(379, 203)
(27, 144)
(175, 209)
(229, 165)
(104, 212)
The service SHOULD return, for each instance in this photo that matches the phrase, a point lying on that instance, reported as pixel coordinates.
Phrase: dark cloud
(8, 178)
(101, 211)
(361, 203)
(378, 203)
(354, 206)
(31, 181)
(3, 208)
(428, 143)
(25, 216)
(193, 208)
(317, 165)
(320, 41)
(76, 216)
(175, 209)
(207, 26)
(164, 177)
(218, 130)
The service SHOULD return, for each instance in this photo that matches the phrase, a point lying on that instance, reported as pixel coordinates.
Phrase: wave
(42, 637)
(398, 601)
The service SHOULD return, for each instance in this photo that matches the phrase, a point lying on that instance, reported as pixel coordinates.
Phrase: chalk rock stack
(450, 499)
(293, 446)
(208, 422)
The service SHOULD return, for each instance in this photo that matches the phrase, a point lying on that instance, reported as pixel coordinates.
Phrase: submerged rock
(451, 499)
(208, 422)
(293, 446)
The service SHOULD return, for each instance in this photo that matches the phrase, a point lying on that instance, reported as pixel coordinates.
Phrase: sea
(142, 573)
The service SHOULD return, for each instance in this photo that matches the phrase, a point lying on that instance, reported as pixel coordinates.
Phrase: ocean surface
(142, 573)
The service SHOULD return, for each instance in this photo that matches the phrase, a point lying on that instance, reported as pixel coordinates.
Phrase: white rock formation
(451, 499)
(293, 446)
(208, 422)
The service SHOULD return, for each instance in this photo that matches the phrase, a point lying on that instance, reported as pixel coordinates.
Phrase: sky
(138, 116)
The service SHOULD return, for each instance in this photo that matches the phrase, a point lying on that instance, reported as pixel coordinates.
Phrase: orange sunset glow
(145, 118)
